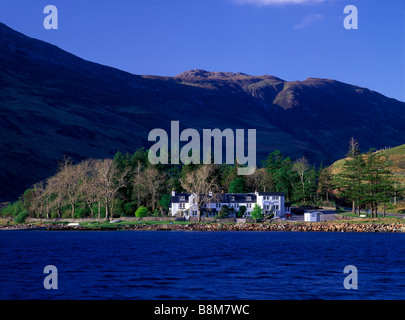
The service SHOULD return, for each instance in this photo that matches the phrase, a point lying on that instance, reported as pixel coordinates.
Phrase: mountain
(54, 104)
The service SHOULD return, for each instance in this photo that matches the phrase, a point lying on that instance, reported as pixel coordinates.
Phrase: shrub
(241, 212)
(13, 209)
(223, 213)
(165, 201)
(81, 212)
(340, 210)
(129, 208)
(20, 218)
(141, 212)
(257, 213)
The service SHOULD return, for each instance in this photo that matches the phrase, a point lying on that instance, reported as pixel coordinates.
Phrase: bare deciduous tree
(41, 199)
(354, 148)
(301, 166)
(259, 180)
(153, 180)
(55, 190)
(110, 180)
(71, 177)
(90, 188)
(139, 187)
(201, 183)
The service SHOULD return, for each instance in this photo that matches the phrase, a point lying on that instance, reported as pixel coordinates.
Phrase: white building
(184, 204)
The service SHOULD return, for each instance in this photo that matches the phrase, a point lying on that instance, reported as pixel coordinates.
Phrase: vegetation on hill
(374, 180)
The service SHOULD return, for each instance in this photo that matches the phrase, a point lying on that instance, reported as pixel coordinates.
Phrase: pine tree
(325, 184)
(237, 185)
(349, 181)
(378, 182)
(281, 173)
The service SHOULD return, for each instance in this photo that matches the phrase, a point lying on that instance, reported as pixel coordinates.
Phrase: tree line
(108, 188)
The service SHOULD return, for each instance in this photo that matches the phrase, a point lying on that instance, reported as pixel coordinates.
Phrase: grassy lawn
(106, 224)
(368, 218)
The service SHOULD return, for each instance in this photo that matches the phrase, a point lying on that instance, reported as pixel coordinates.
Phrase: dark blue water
(201, 265)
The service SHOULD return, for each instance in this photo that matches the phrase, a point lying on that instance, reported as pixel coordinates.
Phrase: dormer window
(248, 198)
(182, 198)
(232, 198)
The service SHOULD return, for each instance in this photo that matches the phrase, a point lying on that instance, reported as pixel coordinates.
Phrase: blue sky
(291, 39)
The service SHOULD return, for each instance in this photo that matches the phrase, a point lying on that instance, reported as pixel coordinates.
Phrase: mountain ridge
(55, 104)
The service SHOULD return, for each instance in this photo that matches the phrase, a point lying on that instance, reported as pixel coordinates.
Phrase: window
(276, 207)
(182, 205)
(248, 205)
(275, 198)
(232, 198)
(218, 205)
(182, 198)
(248, 198)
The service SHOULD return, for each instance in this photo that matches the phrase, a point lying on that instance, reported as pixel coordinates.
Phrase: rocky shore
(321, 227)
(296, 227)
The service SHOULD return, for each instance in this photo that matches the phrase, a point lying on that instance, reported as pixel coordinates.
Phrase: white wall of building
(265, 202)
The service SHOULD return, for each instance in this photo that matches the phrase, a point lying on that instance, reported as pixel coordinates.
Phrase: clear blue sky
(290, 40)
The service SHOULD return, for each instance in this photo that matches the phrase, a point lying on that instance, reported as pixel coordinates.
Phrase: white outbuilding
(313, 216)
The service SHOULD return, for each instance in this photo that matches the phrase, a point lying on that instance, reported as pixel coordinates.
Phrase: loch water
(179, 265)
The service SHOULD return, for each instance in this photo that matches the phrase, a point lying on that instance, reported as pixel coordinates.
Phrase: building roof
(178, 196)
(240, 198)
(271, 193)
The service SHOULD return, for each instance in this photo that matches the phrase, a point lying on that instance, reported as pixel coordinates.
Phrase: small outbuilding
(314, 216)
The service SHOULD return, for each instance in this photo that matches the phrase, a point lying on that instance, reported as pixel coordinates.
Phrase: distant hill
(53, 103)
(395, 155)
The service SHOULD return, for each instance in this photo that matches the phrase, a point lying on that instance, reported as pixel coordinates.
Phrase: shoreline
(292, 227)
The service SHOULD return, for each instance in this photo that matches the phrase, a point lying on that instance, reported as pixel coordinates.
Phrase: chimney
(256, 193)
(173, 192)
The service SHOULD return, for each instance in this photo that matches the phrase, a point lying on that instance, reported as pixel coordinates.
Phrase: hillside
(395, 155)
(54, 104)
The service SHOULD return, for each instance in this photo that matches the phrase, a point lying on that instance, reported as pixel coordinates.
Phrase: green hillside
(396, 156)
